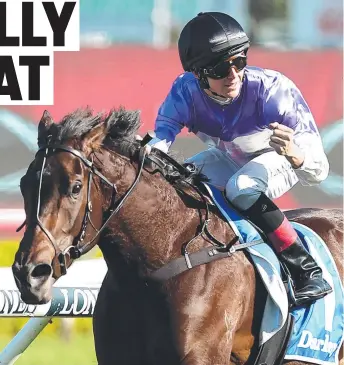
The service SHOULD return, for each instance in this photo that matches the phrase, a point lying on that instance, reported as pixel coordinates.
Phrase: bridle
(169, 168)
(76, 249)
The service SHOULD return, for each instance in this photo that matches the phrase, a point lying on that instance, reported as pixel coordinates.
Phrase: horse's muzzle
(34, 282)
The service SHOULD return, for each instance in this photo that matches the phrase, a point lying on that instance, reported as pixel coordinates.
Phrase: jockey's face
(230, 85)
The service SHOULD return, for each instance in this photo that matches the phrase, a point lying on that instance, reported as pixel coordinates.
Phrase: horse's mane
(121, 127)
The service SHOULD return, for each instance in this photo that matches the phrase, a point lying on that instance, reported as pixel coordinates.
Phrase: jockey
(260, 132)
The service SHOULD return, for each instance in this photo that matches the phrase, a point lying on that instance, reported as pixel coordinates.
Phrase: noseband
(79, 248)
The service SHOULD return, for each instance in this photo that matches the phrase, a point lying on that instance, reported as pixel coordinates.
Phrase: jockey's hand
(282, 141)
(147, 148)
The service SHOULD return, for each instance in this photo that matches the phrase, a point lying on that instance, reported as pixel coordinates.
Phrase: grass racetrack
(50, 349)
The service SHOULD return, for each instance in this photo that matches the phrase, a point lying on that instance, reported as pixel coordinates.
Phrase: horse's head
(62, 200)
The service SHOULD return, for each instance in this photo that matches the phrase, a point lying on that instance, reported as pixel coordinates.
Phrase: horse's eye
(76, 188)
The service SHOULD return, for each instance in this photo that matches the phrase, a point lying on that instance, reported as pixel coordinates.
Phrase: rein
(172, 173)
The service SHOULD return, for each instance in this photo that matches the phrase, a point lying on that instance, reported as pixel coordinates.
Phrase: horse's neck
(151, 225)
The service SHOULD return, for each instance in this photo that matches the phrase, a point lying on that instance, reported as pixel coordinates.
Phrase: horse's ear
(43, 127)
(93, 140)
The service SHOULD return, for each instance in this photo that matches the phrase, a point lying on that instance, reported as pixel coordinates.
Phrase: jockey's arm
(286, 105)
(166, 132)
(315, 167)
(172, 116)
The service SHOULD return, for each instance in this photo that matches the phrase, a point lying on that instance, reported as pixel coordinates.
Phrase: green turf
(52, 350)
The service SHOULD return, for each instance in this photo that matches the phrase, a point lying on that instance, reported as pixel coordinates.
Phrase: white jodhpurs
(268, 173)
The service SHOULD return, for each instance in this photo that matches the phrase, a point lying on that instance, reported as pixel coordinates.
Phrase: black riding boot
(306, 274)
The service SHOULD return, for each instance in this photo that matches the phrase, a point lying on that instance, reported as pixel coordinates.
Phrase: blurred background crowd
(128, 57)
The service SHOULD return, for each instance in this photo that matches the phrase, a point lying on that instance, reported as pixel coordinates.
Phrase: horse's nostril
(41, 270)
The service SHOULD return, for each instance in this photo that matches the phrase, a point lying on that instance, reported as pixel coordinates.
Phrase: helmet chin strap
(216, 94)
(205, 86)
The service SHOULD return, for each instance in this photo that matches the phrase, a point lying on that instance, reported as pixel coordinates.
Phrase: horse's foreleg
(203, 353)
(218, 321)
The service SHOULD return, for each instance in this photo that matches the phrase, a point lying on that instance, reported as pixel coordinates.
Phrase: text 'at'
(24, 49)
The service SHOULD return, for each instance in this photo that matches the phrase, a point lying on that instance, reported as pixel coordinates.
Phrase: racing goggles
(223, 68)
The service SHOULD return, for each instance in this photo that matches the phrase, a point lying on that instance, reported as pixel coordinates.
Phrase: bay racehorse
(88, 185)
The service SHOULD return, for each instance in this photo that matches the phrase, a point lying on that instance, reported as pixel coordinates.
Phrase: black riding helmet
(207, 38)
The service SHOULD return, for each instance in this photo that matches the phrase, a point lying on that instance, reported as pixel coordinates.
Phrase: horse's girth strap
(203, 256)
(179, 265)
